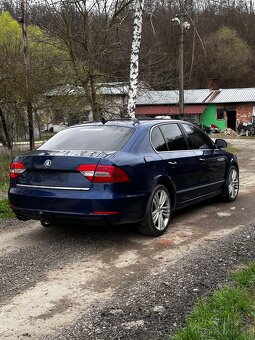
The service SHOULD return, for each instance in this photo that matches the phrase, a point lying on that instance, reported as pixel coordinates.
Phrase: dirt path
(112, 283)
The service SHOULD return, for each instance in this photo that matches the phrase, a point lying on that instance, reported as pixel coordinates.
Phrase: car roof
(129, 122)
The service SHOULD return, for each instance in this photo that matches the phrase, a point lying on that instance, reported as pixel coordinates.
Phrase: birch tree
(134, 59)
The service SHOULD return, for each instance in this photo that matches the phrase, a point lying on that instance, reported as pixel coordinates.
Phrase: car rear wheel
(232, 185)
(158, 212)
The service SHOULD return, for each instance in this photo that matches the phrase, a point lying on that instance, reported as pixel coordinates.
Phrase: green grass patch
(229, 314)
(5, 161)
(232, 149)
(246, 277)
(5, 211)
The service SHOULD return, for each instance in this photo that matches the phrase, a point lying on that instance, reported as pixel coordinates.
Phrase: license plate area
(54, 178)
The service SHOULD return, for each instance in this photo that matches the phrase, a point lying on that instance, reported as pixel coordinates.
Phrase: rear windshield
(105, 138)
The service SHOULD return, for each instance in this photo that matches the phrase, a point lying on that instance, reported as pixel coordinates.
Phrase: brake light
(16, 169)
(87, 170)
(103, 173)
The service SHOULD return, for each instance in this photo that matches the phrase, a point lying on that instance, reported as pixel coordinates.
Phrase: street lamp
(183, 26)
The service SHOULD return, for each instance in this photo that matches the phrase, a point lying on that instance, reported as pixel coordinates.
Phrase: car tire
(158, 212)
(232, 185)
(47, 224)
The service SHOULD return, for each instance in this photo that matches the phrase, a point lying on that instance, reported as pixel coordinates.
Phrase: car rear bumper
(82, 207)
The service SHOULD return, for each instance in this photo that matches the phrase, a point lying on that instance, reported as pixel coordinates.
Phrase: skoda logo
(47, 163)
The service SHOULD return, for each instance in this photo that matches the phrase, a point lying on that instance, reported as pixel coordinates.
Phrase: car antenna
(135, 121)
(104, 121)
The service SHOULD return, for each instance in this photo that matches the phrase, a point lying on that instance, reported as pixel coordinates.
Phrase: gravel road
(112, 283)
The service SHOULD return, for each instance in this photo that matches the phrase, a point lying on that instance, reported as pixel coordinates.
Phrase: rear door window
(105, 138)
(173, 136)
(197, 139)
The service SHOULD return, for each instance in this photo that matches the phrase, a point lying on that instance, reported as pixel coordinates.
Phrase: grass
(229, 314)
(5, 161)
(5, 211)
(232, 149)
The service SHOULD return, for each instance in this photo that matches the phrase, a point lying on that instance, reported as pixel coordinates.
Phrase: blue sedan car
(121, 172)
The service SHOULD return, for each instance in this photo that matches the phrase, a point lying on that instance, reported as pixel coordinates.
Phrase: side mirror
(220, 144)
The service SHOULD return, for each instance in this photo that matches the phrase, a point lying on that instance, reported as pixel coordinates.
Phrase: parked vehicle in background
(246, 129)
(211, 129)
(121, 172)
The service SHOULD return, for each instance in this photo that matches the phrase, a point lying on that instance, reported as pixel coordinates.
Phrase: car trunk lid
(57, 169)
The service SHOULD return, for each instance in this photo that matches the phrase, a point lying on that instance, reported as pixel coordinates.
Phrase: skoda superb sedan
(121, 172)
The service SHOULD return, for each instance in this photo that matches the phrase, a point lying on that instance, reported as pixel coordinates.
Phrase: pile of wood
(229, 132)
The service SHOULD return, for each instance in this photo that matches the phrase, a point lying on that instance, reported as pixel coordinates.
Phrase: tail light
(16, 169)
(103, 173)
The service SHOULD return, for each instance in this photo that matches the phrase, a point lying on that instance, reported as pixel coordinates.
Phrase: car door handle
(202, 159)
(172, 163)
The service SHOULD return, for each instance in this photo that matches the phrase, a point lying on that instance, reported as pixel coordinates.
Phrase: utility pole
(182, 25)
(24, 23)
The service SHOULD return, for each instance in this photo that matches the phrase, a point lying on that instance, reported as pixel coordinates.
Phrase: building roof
(113, 88)
(65, 90)
(105, 89)
(242, 95)
(172, 97)
(199, 96)
(169, 110)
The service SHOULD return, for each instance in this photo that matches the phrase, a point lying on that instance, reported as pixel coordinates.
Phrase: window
(89, 137)
(220, 114)
(197, 139)
(157, 140)
(173, 136)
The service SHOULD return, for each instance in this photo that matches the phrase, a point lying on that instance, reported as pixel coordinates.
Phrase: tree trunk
(134, 60)
(8, 140)
(30, 124)
(27, 67)
(94, 104)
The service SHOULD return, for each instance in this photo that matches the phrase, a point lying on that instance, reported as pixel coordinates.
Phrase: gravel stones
(155, 309)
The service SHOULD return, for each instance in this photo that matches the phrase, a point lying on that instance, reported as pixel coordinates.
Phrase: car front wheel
(232, 185)
(158, 212)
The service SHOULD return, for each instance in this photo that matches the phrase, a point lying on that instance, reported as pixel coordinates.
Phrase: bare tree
(85, 29)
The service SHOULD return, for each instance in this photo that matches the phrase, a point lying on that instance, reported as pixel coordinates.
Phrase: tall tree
(46, 68)
(229, 56)
(86, 29)
(134, 60)
(24, 22)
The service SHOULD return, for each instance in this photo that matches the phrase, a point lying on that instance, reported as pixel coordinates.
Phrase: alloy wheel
(233, 185)
(160, 209)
